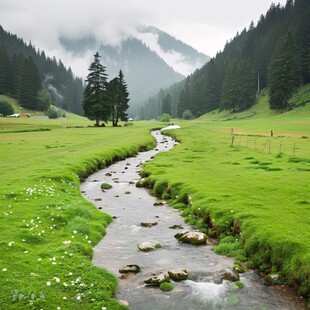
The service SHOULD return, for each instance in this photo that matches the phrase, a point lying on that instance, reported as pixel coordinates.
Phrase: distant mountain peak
(182, 57)
(150, 59)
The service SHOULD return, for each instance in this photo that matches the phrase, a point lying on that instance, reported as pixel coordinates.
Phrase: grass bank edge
(24, 292)
(235, 233)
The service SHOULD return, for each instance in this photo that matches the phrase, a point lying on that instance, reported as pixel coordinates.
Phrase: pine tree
(283, 74)
(29, 84)
(229, 97)
(124, 98)
(95, 99)
(4, 71)
(17, 65)
(246, 85)
(181, 105)
(211, 87)
(166, 106)
(119, 98)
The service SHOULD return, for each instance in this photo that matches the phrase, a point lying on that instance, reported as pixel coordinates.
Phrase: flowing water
(130, 206)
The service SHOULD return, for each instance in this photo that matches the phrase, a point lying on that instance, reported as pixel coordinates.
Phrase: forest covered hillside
(274, 53)
(25, 70)
(150, 59)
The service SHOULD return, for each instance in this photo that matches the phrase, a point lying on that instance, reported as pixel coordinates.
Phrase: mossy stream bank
(130, 206)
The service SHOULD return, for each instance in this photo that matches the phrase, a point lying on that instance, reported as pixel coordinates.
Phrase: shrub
(165, 117)
(6, 108)
(43, 101)
(51, 113)
(187, 114)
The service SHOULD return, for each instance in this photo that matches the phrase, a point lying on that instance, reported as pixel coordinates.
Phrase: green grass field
(47, 229)
(256, 192)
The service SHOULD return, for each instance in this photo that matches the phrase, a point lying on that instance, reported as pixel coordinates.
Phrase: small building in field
(24, 115)
(21, 115)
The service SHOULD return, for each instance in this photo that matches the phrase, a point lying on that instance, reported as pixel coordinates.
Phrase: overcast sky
(204, 24)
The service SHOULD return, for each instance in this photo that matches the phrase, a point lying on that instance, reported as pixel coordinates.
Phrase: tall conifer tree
(29, 84)
(283, 74)
(119, 98)
(95, 100)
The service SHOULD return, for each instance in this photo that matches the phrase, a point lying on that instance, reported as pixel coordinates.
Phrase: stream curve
(130, 206)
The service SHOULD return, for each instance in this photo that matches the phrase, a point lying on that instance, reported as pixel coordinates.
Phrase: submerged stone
(157, 280)
(178, 274)
(139, 184)
(130, 268)
(192, 237)
(147, 246)
(230, 275)
(176, 226)
(159, 203)
(232, 300)
(148, 224)
(271, 279)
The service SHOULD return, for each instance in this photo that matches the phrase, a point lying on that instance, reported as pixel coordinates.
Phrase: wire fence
(292, 146)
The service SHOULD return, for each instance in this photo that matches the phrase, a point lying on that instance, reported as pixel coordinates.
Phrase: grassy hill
(18, 109)
(262, 117)
(38, 121)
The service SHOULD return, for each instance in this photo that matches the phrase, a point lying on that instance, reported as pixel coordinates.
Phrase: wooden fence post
(232, 141)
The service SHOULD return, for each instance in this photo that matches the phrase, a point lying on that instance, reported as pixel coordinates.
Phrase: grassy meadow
(47, 229)
(255, 187)
(260, 195)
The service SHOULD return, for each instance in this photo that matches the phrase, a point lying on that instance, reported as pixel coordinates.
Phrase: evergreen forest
(274, 53)
(28, 74)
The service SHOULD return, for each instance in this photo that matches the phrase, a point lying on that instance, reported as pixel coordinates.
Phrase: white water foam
(209, 294)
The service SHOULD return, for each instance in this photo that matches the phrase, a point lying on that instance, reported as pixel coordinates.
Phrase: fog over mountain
(150, 59)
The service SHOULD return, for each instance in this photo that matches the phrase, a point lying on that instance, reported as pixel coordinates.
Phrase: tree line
(105, 100)
(274, 54)
(36, 80)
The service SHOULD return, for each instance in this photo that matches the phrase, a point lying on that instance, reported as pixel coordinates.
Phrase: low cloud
(204, 24)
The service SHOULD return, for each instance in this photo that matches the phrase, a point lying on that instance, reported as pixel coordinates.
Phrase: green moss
(238, 285)
(166, 287)
(106, 186)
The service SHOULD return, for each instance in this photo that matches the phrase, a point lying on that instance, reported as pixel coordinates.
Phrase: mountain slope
(66, 90)
(179, 55)
(230, 80)
(150, 59)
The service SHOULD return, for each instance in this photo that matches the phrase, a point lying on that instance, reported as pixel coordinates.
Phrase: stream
(130, 206)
